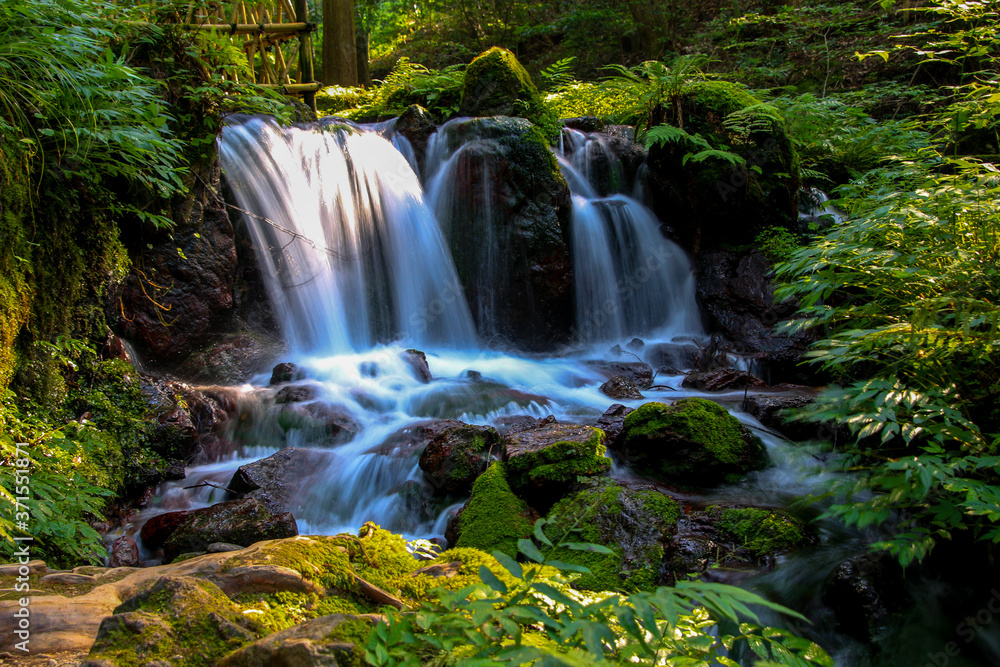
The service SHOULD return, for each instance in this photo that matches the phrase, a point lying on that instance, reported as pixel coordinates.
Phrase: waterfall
(630, 279)
(350, 252)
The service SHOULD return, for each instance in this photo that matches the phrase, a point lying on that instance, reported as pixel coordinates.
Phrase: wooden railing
(261, 28)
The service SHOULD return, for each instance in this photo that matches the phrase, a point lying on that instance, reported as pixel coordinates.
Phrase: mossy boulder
(692, 442)
(635, 523)
(180, 620)
(505, 209)
(493, 518)
(457, 455)
(547, 461)
(496, 84)
(760, 532)
(728, 203)
(336, 639)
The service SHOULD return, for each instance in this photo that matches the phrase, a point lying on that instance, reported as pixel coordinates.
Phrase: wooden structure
(261, 28)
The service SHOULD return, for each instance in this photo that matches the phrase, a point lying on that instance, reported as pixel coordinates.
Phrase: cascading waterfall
(630, 279)
(351, 254)
(358, 269)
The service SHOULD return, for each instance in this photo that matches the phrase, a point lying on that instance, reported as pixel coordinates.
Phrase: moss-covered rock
(692, 442)
(505, 209)
(635, 523)
(496, 84)
(337, 639)
(493, 518)
(761, 532)
(457, 455)
(549, 460)
(182, 620)
(729, 203)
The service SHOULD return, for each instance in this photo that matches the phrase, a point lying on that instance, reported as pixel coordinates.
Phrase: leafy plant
(653, 83)
(539, 619)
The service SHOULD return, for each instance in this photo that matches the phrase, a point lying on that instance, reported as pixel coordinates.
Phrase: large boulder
(635, 523)
(177, 616)
(726, 203)
(692, 442)
(547, 461)
(457, 455)
(505, 209)
(735, 290)
(496, 84)
(722, 379)
(181, 293)
(241, 522)
(493, 518)
(612, 422)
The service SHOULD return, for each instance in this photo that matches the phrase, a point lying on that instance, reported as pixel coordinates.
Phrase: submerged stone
(692, 442)
(620, 387)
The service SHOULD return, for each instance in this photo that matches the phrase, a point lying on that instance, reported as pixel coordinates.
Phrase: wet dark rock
(417, 362)
(769, 409)
(230, 358)
(160, 527)
(513, 262)
(635, 345)
(721, 380)
(297, 393)
(691, 442)
(724, 203)
(584, 123)
(864, 592)
(417, 500)
(448, 400)
(672, 358)
(195, 284)
(325, 423)
(547, 461)
(518, 423)
(472, 375)
(640, 373)
(124, 553)
(736, 291)
(416, 124)
(272, 480)
(457, 455)
(240, 522)
(620, 387)
(612, 422)
(286, 372)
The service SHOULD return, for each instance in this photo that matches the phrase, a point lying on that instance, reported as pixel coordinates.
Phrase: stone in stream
(416, 124)
(286, 372)
(612, 422)
(325, 423)
(694, 442)
(240, 522)
(456, 455)
(721, 380)
(125, 553)
(620, 387)
(771, 410)
(296, 393)
(271, 480)
(638, 372)
(417, 361)
(864, 592)
(547, 461)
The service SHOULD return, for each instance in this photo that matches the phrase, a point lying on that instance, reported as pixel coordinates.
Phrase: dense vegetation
(105, 119)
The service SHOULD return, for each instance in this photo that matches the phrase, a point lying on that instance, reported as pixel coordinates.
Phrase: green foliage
(539, 619)
(761, 532)
(907, 292)
(654, 83)
(777, 243)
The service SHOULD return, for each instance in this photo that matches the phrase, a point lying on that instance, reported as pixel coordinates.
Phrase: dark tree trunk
(339, 58)
(364, 72)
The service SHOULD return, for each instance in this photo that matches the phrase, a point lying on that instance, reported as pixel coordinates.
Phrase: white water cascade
(630, 279)
(357, 271)
(351, 254)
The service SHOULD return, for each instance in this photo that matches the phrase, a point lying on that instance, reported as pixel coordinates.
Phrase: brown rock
(721, 380)
(309, 644)
(620, 387)
(125, 553)
(235, 521)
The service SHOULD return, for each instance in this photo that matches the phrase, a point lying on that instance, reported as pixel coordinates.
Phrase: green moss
(356, 632)
(719, 98)
(562, 462)
(183, 620)
(497, 84)
(692, 441)
(634, 524)
(762, 532)
(494, 518)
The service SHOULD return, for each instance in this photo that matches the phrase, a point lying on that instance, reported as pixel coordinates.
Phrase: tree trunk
(364, 72)
(340, 66)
